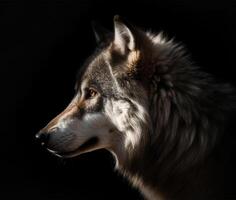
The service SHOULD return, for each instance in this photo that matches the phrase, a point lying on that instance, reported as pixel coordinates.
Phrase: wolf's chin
(89, 145)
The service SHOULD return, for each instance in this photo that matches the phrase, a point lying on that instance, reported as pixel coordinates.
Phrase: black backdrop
(42, 46)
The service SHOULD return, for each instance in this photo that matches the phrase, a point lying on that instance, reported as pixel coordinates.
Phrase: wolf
(141, 97)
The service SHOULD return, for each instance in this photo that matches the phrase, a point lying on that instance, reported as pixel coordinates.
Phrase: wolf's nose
(42, 137)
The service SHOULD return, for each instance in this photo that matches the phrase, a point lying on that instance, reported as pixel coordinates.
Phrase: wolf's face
(109, 109)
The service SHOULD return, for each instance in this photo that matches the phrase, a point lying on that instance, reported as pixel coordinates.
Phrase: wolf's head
(110, 108)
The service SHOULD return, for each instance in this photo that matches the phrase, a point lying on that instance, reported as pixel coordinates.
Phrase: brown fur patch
(132, 61)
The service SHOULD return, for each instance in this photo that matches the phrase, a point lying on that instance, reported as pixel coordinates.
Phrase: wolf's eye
(90, 93)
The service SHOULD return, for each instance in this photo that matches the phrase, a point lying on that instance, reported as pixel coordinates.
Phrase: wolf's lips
(90, 143)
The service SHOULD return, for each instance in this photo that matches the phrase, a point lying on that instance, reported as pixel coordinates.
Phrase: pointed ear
(101, 33)
(123, 38)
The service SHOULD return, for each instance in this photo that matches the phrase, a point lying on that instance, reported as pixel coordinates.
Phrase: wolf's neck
(185, 124)
(149, 191)
(181, 139)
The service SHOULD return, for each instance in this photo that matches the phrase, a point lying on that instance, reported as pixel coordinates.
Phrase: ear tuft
(123, 39)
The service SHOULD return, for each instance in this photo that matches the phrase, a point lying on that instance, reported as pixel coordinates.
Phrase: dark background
(42, 46)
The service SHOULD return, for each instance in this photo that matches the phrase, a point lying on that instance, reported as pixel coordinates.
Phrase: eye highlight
(90, 93)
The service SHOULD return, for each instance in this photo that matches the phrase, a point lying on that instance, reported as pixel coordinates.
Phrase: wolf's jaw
(89, 145)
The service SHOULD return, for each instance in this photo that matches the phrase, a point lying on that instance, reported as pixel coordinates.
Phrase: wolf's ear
(123, 38)
(101, 33)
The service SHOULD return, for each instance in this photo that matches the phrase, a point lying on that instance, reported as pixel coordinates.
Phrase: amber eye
(91, 93)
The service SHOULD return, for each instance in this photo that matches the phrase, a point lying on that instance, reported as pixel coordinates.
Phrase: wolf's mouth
(85, 147)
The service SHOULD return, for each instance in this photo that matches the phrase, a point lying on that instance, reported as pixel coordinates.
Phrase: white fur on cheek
(126, 122)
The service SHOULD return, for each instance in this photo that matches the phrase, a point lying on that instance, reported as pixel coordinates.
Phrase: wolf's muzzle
(42, 137)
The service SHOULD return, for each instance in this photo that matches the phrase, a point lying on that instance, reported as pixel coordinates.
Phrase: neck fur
(185, 125)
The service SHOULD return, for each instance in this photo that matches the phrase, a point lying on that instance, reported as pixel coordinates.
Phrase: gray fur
(167, 115)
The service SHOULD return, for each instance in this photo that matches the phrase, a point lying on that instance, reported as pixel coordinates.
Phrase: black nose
(42, 137)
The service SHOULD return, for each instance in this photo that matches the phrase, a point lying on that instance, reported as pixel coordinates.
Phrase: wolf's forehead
(97, 72)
